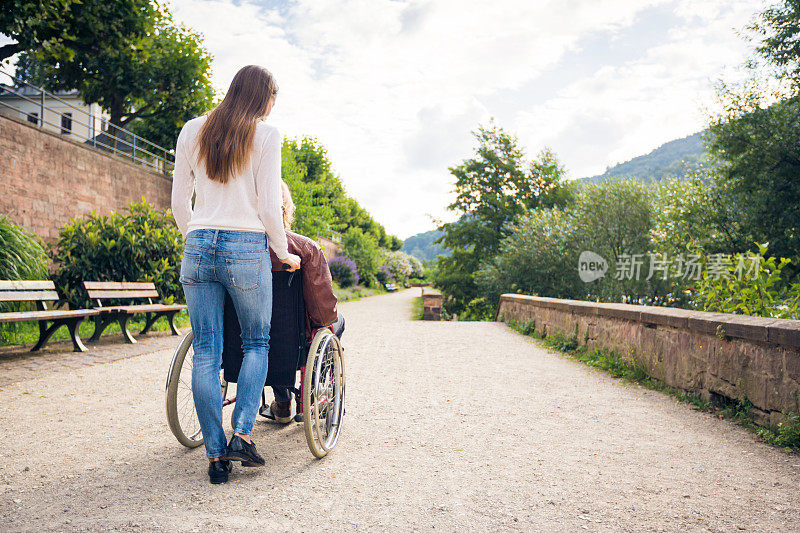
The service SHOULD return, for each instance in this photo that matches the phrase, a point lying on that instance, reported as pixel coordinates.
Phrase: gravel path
(449, 426)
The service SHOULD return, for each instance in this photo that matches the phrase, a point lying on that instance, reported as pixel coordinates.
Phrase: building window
(33, 118)
(66, 123)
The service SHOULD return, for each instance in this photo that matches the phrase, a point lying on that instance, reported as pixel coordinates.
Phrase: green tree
(778, 29)
(363, 249)
(492, 189)
(540, 254)
(326, 191)
(159, 80)
(757, 147)
(539, 257)
(67, 30)
(312, 217)
(756, 142)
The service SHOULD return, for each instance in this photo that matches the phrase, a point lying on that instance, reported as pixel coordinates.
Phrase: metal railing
(108, 137)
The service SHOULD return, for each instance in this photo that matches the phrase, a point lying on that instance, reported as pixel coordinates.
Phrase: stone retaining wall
(431, 304)
(714, 354)
(46, 179)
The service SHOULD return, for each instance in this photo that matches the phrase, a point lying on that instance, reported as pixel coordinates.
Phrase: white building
(66, 114)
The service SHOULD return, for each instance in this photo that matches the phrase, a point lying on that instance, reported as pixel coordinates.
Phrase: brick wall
(431, 304)
(732, 356)
(46, 179)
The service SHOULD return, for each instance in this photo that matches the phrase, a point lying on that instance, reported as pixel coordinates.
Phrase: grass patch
(417, 308)
(785, 435)
(24, 333)
(350, 294)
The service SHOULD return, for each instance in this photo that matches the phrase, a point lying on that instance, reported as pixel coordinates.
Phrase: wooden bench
(41, 292)
(130, 291)
(391, 287)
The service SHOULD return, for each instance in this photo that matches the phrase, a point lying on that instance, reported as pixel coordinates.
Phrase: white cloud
(394, 88)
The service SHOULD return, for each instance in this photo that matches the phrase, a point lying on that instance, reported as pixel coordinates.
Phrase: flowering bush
(399, 264)
(417, 268)
(343, 271)
(384, 275)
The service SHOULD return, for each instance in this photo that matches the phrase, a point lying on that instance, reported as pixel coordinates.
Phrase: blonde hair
(288, 206)
(226, 138)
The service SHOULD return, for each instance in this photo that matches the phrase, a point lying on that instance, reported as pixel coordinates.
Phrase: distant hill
(422, 247)
(674, 158)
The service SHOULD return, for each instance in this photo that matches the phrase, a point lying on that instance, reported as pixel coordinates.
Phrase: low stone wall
(48, 179)
(431, 304)
(714, 354)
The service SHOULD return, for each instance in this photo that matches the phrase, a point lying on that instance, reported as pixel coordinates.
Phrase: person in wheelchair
(300, 308)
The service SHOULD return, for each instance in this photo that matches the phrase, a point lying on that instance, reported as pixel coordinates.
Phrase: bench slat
(119, 285)
(27, 285)
(144, 308)
(27, 296)
(25, 316)
(122, 295)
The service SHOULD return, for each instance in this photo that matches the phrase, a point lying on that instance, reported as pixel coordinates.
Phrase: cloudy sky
(393, 88)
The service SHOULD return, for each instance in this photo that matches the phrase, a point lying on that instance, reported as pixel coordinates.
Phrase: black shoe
(241, 450)
(218, 471)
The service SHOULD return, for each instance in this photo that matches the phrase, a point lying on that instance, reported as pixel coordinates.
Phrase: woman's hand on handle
(291, 263)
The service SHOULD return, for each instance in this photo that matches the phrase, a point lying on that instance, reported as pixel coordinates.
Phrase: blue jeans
(216, 261)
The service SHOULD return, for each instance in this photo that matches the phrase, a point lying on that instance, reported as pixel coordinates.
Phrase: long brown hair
(226, 138)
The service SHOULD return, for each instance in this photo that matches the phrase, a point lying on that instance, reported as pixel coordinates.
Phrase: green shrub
(142, 244)
(22, 255)
(478, 309)
(751, 284)
(786, 434)
(562, 342)
(363, 249)
(529, 328)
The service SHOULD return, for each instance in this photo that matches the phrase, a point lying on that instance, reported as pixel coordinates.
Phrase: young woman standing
(230, 160)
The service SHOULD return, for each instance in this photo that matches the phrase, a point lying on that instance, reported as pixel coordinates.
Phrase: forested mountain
(422, 246)
(674, 158)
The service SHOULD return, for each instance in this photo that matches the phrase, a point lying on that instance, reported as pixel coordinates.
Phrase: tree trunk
(9, 50)
(115, 129)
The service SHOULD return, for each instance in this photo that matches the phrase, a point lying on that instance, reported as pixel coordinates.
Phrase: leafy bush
(539, 257)
(343, 271)
(22, 255)
(363, 249)
(750, 284)
(478, 309)
(142, 244)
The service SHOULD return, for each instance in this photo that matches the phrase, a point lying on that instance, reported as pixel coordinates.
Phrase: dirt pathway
(449, 427)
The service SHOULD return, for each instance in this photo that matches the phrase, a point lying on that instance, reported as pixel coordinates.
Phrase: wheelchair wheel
(323, 393)
(181, 416)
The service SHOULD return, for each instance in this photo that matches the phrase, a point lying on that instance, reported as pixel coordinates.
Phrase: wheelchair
(320, 398)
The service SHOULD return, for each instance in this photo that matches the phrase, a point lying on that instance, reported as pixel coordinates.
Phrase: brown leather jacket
(317, 283)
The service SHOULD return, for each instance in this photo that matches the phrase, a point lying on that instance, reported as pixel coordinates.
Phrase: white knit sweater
(249, 202)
